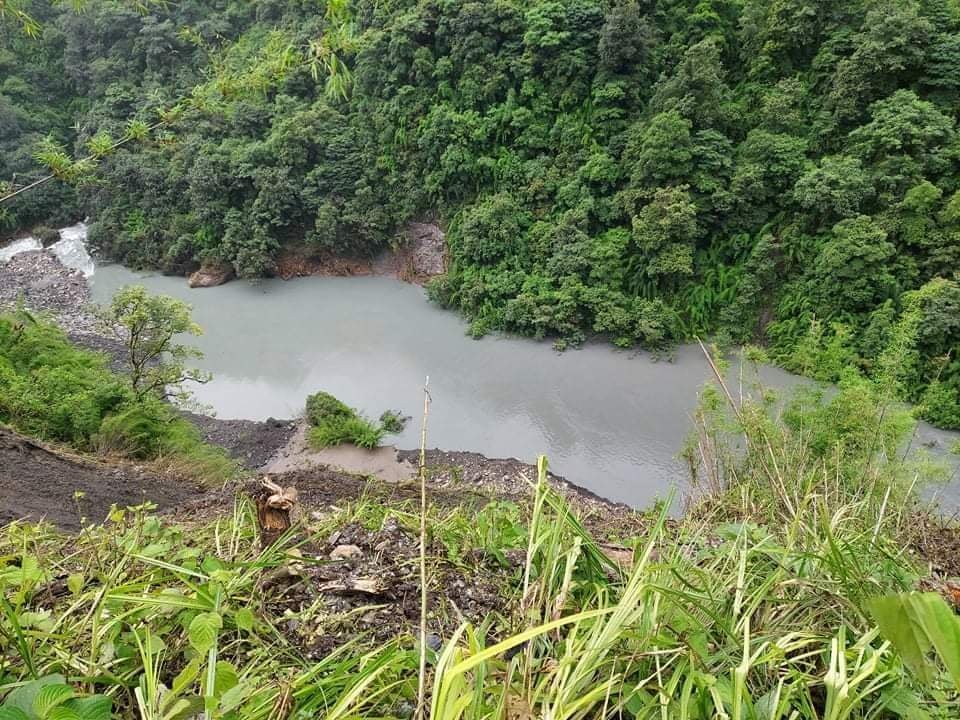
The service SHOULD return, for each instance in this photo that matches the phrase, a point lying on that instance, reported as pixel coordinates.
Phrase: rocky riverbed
(37, 280)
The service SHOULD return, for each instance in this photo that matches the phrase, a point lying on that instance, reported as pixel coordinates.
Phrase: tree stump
(274, 507)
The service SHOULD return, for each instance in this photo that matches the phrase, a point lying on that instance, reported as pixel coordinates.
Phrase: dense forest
(774, 171)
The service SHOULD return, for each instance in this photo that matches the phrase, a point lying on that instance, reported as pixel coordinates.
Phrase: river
(610, 420)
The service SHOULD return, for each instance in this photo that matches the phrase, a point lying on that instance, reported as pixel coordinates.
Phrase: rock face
(426, 249)
(211, 275)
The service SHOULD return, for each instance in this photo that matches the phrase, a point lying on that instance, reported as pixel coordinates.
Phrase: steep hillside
(779, 172)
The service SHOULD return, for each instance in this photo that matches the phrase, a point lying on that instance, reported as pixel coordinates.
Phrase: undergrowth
(334, 423)
(776, 596)
(56, 391)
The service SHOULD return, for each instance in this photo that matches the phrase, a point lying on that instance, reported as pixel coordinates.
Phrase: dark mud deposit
(249, 442)
(512, 479)
(41, 483)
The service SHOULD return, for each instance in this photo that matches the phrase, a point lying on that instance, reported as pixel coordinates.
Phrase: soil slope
(37, 482)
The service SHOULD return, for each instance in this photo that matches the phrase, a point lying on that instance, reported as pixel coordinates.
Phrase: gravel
(44, 285)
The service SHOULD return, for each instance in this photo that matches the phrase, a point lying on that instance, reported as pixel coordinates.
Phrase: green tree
(148, 326)
(697, 89)
(837, 188)
(906, 140)
(490, 230)
(851, 274)
(664, 233)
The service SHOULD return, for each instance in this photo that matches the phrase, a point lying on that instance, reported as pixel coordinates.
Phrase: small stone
(346, 552)
(434, 642)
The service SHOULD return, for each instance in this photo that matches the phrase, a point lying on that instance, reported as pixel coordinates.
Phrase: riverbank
(612, 421)
(42, 284)
(505, 560)
(340, 605)
(418, 254)
(44, 482)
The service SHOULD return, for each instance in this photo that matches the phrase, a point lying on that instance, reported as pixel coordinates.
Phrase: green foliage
(785, 591)
(392, 422)
(151, 430)
(852, 273)
(824, 354)
(55, 391)
(665, 233)
(45, 235)
(489, 231)
(739, 167)
(494, 531)
(355, 430)
(918, 624)
(50, 389)
(51, 698)
(322, 407)
(939, 402)
(334, 423)
(147, 326)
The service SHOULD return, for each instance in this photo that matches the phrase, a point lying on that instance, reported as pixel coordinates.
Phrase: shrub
(334, 423)
(940, 405)
(137, 431)
(356, 430)
(323, 407)
(392, 422)
(152, 430)
(55, 391)
(46, 235)
(50, 389)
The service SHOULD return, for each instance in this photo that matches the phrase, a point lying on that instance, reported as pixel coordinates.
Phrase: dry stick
(422, 681)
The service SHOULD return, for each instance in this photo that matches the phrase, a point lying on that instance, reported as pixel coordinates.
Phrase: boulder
(211, 275)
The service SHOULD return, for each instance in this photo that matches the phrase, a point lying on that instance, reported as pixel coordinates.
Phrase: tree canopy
(645, 169)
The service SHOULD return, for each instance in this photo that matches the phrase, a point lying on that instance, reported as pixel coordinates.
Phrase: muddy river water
(612, 421)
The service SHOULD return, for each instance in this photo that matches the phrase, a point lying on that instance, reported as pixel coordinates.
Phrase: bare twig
(422, 680)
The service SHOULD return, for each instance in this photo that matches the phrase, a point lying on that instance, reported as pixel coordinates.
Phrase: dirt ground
(297, 454)
(362, 581)
(38, 482)
(252, 443)
(419, 254)
(512, 479)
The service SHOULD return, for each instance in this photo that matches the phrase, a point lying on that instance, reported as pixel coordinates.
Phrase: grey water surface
(611, 421)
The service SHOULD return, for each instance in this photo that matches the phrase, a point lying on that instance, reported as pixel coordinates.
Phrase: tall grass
(759, 603)
(756, 605)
